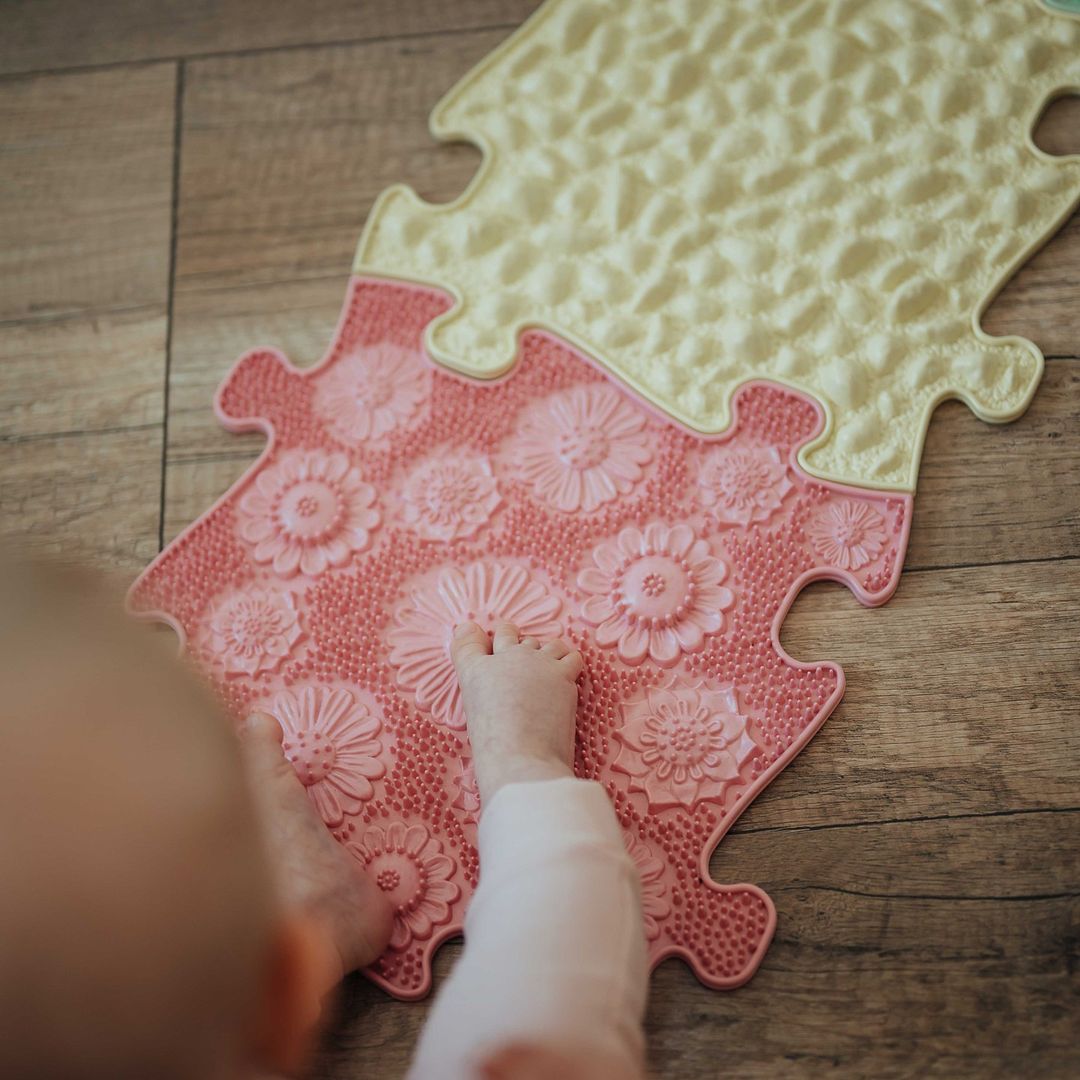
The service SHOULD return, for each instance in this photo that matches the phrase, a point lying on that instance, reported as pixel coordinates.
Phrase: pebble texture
(395, 499)
(825, 193)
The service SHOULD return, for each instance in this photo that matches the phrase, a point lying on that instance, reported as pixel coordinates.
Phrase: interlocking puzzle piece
(825, 193)
(395, 499)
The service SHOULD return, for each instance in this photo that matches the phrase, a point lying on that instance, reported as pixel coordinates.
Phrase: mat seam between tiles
(174, 212)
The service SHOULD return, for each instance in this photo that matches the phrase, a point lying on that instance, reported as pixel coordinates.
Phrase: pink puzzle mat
(395, 499)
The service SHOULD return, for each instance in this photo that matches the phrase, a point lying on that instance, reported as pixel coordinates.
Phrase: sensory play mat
(397, 499)
(669, 358)
(826, 193)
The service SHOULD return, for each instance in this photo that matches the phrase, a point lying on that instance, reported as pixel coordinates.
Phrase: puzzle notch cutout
(395, 499)
(824, 193)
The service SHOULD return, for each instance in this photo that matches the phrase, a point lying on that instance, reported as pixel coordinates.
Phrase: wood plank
(1001, 492)
(941, 948)
(85, 212)
(85, 207)
(83, 372)
(90, 497)
(961, 698)
(54, 34)
(1039, 302)
(284, 153)
(1058, 129)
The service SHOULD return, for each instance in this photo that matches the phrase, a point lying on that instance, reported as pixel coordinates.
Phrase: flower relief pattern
(408, 864)
(848, 534)
(682, 745)
(372, 391)
(449, 497)
(655, 593)
(331, 737)
(307, 511)
(400, 499)
(253, 630)
(582, 447)
(654, 902)
(485, 592)
(740, 486)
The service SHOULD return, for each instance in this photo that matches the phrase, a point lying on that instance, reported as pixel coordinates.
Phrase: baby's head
(139, 934)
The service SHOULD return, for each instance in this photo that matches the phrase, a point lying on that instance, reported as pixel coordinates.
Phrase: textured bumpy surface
(396, 499)
(825, 193)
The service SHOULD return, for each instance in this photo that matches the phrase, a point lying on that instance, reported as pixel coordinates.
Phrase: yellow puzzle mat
(826, 193)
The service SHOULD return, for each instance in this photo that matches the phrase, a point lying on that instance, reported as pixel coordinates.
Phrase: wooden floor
(182, 179)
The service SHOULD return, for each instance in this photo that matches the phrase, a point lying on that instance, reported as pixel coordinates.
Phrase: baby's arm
(553, 978)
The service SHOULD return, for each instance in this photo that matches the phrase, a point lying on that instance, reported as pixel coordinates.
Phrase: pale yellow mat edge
(447, 133)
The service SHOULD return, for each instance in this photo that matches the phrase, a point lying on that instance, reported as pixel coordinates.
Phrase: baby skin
(181, 911)
(520, 700)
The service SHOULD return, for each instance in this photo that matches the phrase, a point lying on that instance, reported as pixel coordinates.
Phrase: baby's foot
(520, 701)
(314, 874)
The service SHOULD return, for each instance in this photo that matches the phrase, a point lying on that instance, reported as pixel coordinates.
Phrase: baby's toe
(468, 640)
(260, 746)
(573, 663)
(505, 636)
(556, 648)
(260, 727)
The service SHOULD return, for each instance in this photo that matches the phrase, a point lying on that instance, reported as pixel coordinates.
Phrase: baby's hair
(137, 898)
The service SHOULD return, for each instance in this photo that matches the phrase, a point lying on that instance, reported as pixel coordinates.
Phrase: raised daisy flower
(331, 737)
(655, 593)
(739, 486)
(485, 592)
(253, 630)
(582, 447)
(848, 534)
(681, 745)
(408, 864)
(308, 511)
(372, 391)
(450, 497)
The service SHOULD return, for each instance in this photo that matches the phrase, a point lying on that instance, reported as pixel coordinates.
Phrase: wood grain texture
(922, 851)
(1002, 492)
(1040, 301)
(91, 497)
(87, 167)
(85, 211)
(54, 34)
(85, 214)
(86, 372)
(284, 153)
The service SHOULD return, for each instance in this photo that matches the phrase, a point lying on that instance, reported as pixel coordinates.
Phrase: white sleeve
(554, 946)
